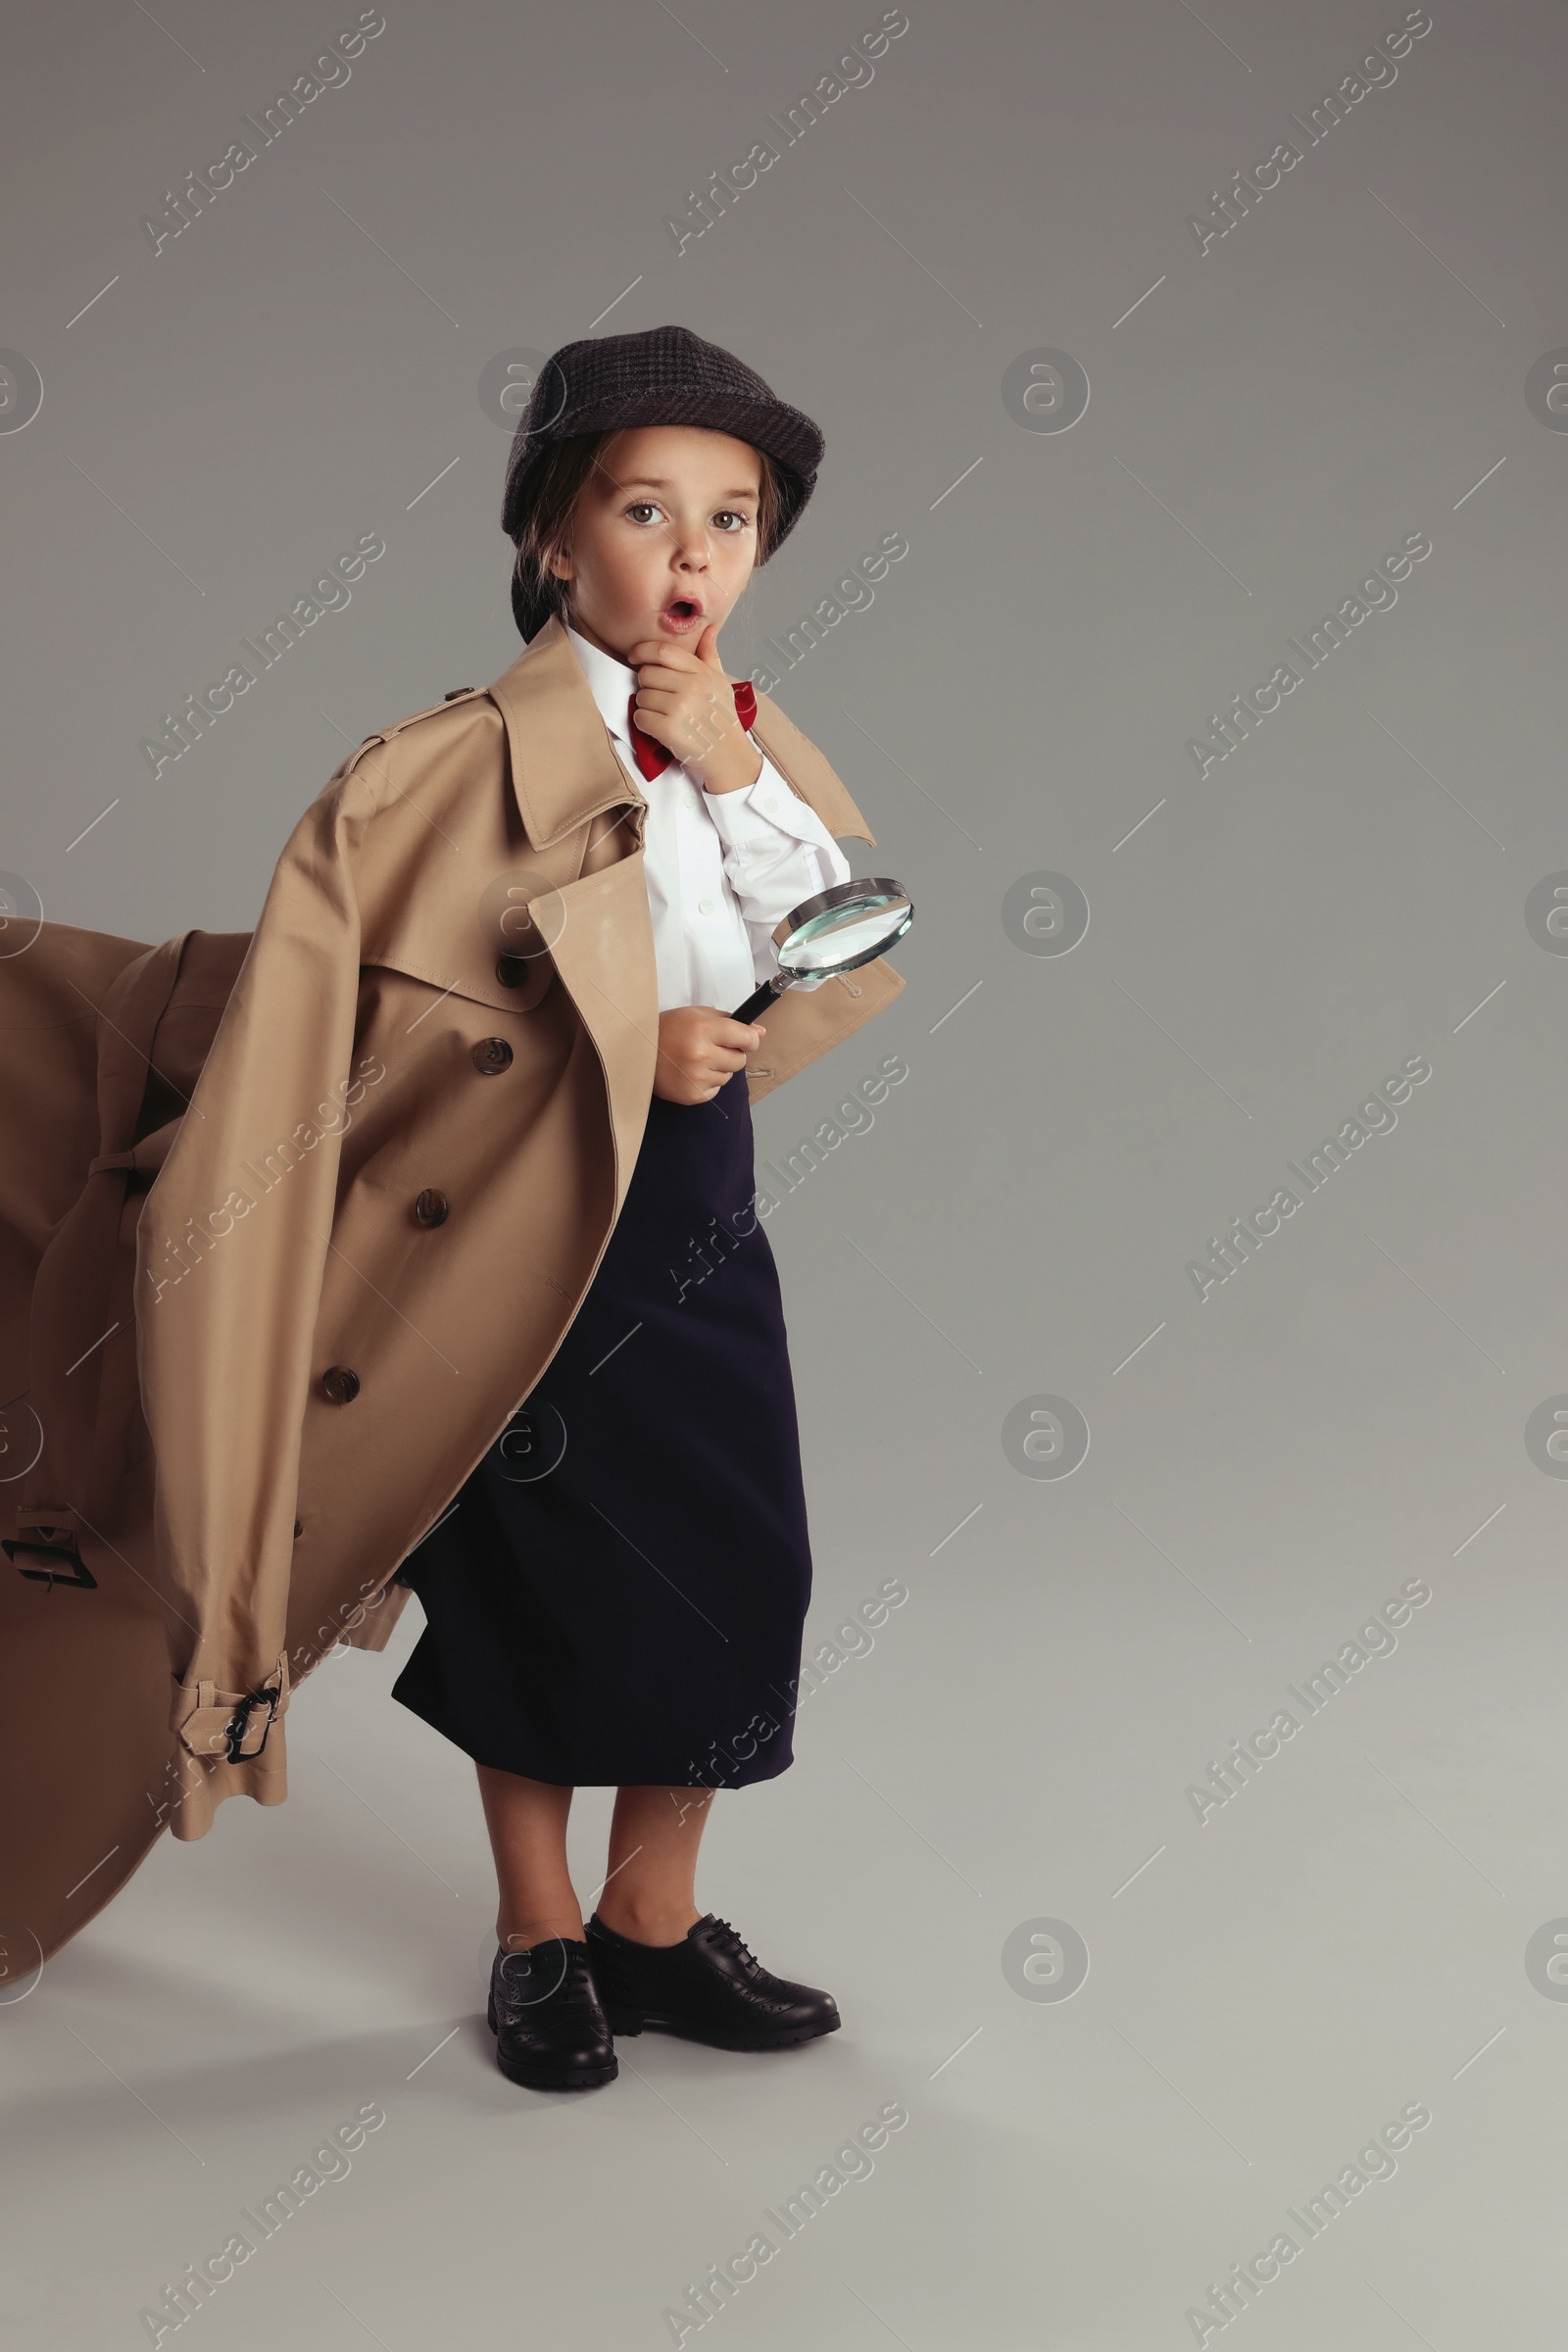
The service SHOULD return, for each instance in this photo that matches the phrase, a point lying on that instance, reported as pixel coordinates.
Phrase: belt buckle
(238, 1723)
(82, 1577)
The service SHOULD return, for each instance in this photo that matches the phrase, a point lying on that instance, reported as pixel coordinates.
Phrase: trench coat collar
(564, 767)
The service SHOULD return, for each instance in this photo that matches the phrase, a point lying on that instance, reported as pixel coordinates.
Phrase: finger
(663, 689)
(658, 650)
(661, 718)
(654, 698)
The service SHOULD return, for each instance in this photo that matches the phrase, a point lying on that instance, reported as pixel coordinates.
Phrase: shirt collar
(564, 766)
(613, 683)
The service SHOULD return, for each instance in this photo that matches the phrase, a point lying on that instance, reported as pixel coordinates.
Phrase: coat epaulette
(458, 694)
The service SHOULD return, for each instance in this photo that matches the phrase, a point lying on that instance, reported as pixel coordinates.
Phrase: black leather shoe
(707, 1988)
(545, 2014)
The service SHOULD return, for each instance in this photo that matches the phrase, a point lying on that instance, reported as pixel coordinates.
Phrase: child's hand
(687, 703)
(698, 1048)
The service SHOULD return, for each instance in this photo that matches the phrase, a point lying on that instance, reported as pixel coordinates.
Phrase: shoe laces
(579, 1981)
(574, 1986)
(731, 1942)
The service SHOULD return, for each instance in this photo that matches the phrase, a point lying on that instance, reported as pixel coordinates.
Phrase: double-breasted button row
(492, 1054)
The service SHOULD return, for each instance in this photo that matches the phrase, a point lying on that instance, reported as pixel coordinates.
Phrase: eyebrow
(652, 481)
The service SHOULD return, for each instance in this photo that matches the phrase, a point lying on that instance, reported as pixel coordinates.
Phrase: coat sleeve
(231, 1253)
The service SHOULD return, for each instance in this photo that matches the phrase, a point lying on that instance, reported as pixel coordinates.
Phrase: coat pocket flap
(505, 983)
(495, 950)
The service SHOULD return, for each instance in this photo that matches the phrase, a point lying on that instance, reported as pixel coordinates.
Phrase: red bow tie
(653, 756)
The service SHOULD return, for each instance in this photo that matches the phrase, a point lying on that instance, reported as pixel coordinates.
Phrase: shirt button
(770, 802)
(704, 905)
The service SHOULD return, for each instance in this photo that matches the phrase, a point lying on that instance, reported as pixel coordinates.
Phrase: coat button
(340, 1384)
(299, 1528)
(491, 1056)
(512, 970)
(452, 695)
(431, 1206)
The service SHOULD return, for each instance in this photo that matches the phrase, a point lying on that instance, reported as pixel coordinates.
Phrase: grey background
(1341, 370)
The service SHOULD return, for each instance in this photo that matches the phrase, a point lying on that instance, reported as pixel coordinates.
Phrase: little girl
(617, 1595)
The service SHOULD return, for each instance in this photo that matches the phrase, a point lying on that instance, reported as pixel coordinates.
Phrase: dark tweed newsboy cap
(665, 375)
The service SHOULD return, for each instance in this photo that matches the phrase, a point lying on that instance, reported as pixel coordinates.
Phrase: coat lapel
(566, 772)
(564, 767)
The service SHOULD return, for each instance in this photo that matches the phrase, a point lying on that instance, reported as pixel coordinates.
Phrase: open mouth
(681, 612)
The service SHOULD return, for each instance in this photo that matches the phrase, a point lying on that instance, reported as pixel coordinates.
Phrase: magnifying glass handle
(770, 989)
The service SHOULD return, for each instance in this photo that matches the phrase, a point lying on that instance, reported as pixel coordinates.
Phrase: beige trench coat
(291, 1222)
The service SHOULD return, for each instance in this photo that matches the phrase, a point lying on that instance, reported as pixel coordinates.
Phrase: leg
(653, 1836)
(528, 1823)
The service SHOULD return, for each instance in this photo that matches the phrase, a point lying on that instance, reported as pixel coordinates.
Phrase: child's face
(664, 536)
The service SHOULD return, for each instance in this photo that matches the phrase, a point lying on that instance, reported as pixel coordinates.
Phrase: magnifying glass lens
(847, 925)
(828, 939)
(838, 934)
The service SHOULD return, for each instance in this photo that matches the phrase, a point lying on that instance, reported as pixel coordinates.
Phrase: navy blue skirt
(617, 1594)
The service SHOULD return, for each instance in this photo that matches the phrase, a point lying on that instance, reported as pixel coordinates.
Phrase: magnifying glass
(852, 923)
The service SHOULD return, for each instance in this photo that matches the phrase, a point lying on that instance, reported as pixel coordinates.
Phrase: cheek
(619, 574)
(734, 566)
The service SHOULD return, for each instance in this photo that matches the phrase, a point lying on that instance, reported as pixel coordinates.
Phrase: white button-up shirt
(722, 867)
